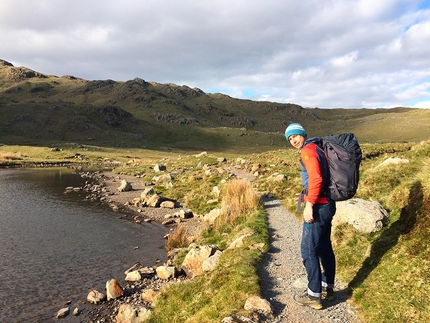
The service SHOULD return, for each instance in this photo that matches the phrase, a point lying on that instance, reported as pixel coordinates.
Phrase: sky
(314, 53)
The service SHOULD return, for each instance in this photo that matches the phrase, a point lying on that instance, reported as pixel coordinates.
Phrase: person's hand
(308, 213)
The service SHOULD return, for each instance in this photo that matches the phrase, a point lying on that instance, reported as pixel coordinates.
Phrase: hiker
(316, 248)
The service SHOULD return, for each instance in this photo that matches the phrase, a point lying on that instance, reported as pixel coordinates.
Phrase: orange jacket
(312, 173)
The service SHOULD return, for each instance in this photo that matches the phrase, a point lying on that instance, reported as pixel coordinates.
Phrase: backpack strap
(300, 201)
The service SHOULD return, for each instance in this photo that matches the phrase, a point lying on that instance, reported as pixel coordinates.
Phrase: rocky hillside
(37, 108)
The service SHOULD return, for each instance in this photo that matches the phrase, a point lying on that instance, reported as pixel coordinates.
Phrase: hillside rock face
(4, 63)
(18, 74)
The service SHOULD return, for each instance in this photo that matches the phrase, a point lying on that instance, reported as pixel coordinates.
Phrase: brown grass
(239, 199)
(10, 156)
(177, 238)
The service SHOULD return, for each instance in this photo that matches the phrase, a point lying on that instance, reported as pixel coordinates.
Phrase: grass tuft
(177, 238)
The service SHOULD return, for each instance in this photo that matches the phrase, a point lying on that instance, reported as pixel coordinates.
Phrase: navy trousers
(317, 251)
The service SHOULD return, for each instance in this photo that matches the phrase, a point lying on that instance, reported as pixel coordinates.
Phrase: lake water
(56, 247)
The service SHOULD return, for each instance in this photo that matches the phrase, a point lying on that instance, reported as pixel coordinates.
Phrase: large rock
(256, 303)
(192, 264)
(147, 192)
(148, 295)
(133, 276)
(167, 204)
(393, 161)
(155, 200)
(166, 272)
(125, 186)
(113, 289)
(365, 216)
(213, 214)
(238, 242)
(159, 168)
(95, 297)
(210, 263)
(128, 313)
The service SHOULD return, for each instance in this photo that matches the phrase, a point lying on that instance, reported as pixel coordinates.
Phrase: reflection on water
(57, 247)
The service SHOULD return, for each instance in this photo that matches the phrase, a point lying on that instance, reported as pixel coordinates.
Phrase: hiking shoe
(328, 294)
(306, 299)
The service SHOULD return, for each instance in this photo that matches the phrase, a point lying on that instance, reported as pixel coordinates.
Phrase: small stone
(62, 313)
(76, 311)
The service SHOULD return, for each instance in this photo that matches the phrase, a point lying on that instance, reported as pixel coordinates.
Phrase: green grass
(222, 292)
(387, 271)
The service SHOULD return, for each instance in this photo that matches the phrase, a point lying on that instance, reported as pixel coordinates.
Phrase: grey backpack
(344, 157)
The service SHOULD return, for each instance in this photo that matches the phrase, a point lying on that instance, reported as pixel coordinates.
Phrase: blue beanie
(295, 129)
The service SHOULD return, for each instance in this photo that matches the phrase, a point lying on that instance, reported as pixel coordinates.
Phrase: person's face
(296, 141)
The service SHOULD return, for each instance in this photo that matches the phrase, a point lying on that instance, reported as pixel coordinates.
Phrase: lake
(56, 247)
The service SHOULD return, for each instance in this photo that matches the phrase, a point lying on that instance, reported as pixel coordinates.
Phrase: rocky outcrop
(4, 63)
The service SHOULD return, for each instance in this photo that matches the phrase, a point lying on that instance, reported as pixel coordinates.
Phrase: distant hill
(41, 109)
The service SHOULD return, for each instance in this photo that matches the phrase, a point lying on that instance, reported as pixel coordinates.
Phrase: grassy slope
(44, 109)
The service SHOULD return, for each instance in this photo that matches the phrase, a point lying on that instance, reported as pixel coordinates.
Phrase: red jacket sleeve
(309, 157)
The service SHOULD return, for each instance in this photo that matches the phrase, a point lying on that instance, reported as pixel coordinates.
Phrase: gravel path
(283, 274)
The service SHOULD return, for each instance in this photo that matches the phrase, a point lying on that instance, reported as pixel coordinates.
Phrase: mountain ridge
(38, 108)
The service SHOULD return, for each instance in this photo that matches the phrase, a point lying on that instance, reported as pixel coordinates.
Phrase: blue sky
(326, 54)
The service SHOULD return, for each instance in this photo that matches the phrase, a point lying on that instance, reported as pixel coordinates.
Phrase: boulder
(146, 271)
(186, 214)
(147, 192)
(256, 303)
(212, 215)
(154, 201)
(113, 289)
(393, 161)
(128, 313)
(192, 264)
(167, 204)
(95, 297)
(210, 263)
(166, 272)
(238, 242)
(133, 276)
(159, 168)
(125, 186)
(364, 216)
(148, 295)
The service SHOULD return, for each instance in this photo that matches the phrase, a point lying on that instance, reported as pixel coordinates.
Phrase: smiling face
(296, 141)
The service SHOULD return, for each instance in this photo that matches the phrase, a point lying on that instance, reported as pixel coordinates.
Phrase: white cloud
(422, 105)
(340, 53)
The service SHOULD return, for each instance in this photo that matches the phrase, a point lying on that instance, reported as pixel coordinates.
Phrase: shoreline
(102, 186)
